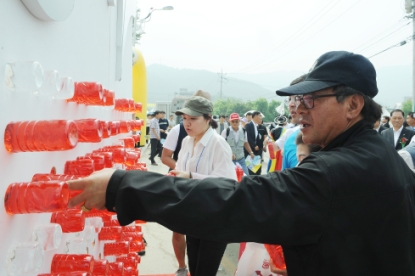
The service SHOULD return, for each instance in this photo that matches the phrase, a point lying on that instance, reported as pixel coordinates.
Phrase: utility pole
(409, 8)
(413, 54)
(222, 79)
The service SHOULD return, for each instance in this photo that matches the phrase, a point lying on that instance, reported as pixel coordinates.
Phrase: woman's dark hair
(212, 122)
(371, 110)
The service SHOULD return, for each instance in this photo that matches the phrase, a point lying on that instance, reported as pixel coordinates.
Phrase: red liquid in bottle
(131, 158)
(88, 93)
(138, 107)
(121, 104)
(73, 273)
(136, 246)
(271, 150)
(36, 197)
(72, 262)
(128, 261)
(136, 236)
(106, 129)
(124, 127)
(89, 130)
(116, 269)
(71, 220)
(115, 127)
(277, 255)
(136, 228)
(111, 233)
(112, 222)
(85, 166)
(51, 135)
(136, 137)
(109, 97)
(128, 142)
(99, 161)
(119, 155)
(49, 177)
(117, 248)
(100, 267)
(131, 105)
(239, 173)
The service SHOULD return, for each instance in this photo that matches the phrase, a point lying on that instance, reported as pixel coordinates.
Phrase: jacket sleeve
(289, 207)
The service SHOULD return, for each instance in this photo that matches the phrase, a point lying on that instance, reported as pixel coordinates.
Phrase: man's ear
(355, 105)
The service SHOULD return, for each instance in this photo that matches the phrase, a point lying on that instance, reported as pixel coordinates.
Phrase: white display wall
(82, 46)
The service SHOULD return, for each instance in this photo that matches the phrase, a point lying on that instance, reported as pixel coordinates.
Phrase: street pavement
(159, 257)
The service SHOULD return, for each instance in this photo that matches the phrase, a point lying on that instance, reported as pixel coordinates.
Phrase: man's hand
(233, 157)
(94, 189)
(256, 148)
(181, 174)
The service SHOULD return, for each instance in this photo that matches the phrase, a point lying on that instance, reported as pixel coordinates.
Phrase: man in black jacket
(348, 209)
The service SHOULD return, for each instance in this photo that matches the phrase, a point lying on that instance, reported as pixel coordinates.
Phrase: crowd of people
(344, 206)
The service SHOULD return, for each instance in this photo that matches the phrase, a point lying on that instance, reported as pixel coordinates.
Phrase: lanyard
(198, 160)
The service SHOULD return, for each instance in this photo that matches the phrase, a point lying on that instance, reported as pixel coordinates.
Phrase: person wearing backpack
(237, 140)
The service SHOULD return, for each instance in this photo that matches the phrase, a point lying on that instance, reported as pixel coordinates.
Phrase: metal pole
(413, 57)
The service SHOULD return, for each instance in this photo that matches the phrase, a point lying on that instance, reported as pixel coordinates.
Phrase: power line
(383, 37)
(294, 35)
(393, 26)
(396, 45)
(292, 49)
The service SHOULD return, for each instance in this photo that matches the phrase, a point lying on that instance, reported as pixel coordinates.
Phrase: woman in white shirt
(204, 153)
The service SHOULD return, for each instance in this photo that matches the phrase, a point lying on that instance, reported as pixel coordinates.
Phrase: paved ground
(159, 257)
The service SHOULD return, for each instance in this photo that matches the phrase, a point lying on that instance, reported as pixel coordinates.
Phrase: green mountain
(164, 83)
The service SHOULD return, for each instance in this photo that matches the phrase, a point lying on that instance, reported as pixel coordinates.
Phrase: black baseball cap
(337, 68)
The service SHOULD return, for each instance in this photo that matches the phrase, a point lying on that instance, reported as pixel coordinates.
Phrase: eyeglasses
(308, 100)
(291, 99)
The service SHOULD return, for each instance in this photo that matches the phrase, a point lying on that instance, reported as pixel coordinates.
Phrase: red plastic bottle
(271, 150)
(99, 161)
(88, 93)
(125, 127)
(136, 236)
(53, 135)
(106, 129)
(239, 172)
(71, 220)
(277, 255)
(36, 197)
(100, 267)
(111, 233)
(89, 130)
(116, 269)
(107, 158)
(108, 97)
(121, 105)
(73, 273)
(72, 262)
(128, 142)
(138, 107)
(115, 127)
(116, 248)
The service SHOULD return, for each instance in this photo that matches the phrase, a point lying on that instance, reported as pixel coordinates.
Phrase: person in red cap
(237, 139)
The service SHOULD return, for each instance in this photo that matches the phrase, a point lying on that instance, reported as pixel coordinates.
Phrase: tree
(407, 106)
(228, 106)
